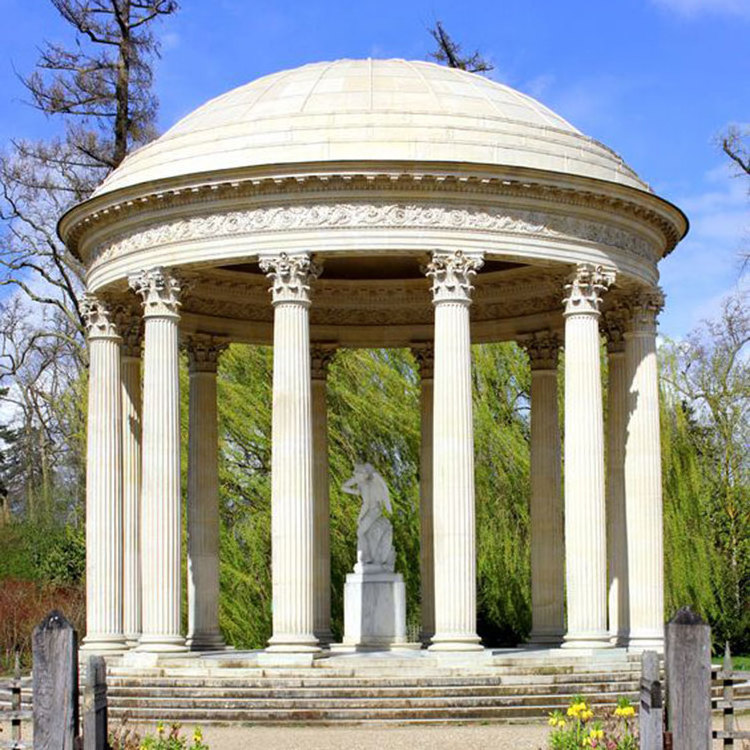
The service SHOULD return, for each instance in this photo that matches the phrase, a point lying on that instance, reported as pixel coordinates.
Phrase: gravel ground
(428, 737)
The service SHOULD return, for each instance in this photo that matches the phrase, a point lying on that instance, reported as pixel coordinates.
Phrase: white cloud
(692, 8)
(707, 265)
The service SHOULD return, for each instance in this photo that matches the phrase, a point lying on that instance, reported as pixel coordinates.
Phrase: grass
(741, 662)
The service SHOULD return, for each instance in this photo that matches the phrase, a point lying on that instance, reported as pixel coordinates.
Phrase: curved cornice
(200, 191)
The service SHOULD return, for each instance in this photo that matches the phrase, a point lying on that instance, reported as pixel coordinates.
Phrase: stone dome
(370, 110)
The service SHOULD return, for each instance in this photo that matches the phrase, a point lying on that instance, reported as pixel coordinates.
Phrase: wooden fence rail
(15, 715)
(729, 702)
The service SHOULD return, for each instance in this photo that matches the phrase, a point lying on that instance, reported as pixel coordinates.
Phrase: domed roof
(370, 111)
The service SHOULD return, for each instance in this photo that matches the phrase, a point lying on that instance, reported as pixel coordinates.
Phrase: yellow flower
(596, 734)
(197, 734)
(586, 715)
(160, 727)
(625, 711)
(552, 721)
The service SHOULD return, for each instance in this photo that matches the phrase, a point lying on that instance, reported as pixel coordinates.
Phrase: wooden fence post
(689, 680)
(727, 694)
(95, 704)
(650, 716)
(55, 683)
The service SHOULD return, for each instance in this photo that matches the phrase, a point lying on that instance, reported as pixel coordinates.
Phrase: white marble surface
(374, 610)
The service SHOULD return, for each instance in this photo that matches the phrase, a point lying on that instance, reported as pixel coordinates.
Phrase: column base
(293, 644)
(325, 637)
(596, 639)
(132, 639)
(161, 644)
(101, 643)
(646, 640)
(205, 642)
(464, 642)
(545, 639)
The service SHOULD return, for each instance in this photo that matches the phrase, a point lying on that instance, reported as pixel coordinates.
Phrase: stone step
(222, 692)
(232, 679)
(338, 703)
(335, 715)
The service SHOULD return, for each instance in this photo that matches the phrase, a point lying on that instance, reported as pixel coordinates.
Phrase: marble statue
(374, 531)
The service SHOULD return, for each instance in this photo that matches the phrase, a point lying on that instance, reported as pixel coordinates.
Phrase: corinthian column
(104, 630)
(585, 530)
(132, 337)
(321, 356)
(292, 506)
(203, 496)
(643, 491)
(425, 356)
(617, 552)
(545, 509)
(160, 489)
(453, 454)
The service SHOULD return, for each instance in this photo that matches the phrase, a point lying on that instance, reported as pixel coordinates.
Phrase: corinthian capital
(613, 326)
(159, 290)
(583, 292)
(424, 353)
(321, 356)
(130, 325)
(203, 352)
(543, 349)
(290, 276)
(99, 317)
(451, 275)
(644, 307)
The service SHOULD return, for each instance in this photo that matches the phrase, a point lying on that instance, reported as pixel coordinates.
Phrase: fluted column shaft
(617, 553)
(321, 357)
(643, 489)
(545, 509)
(453, 455)
(160, 491)
(424, 355)
(292, 505)
(585, 529)
(203, 496)
(131, 479)
(104, 622)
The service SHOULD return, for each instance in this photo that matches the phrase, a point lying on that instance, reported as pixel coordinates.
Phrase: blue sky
(656, 80)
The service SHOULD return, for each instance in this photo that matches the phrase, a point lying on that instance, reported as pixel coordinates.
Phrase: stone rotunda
(373, 203)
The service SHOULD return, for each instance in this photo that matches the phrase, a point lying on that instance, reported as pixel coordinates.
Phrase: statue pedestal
(374, 610)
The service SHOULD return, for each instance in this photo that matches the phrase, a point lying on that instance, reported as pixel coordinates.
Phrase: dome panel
(370, 110)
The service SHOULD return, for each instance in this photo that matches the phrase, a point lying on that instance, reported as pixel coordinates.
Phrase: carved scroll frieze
(361, 215)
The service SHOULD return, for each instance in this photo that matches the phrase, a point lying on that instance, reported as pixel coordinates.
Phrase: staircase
(363, 691)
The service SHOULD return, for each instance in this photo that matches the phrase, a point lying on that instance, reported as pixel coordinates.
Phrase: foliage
(23, 605)
(707, 378)
(373, 407)
(579, 729)
(449, 53)
(126, 738)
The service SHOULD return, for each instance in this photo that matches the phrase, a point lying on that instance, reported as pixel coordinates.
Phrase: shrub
(580, 729)
(23, 605)
(124, 738)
